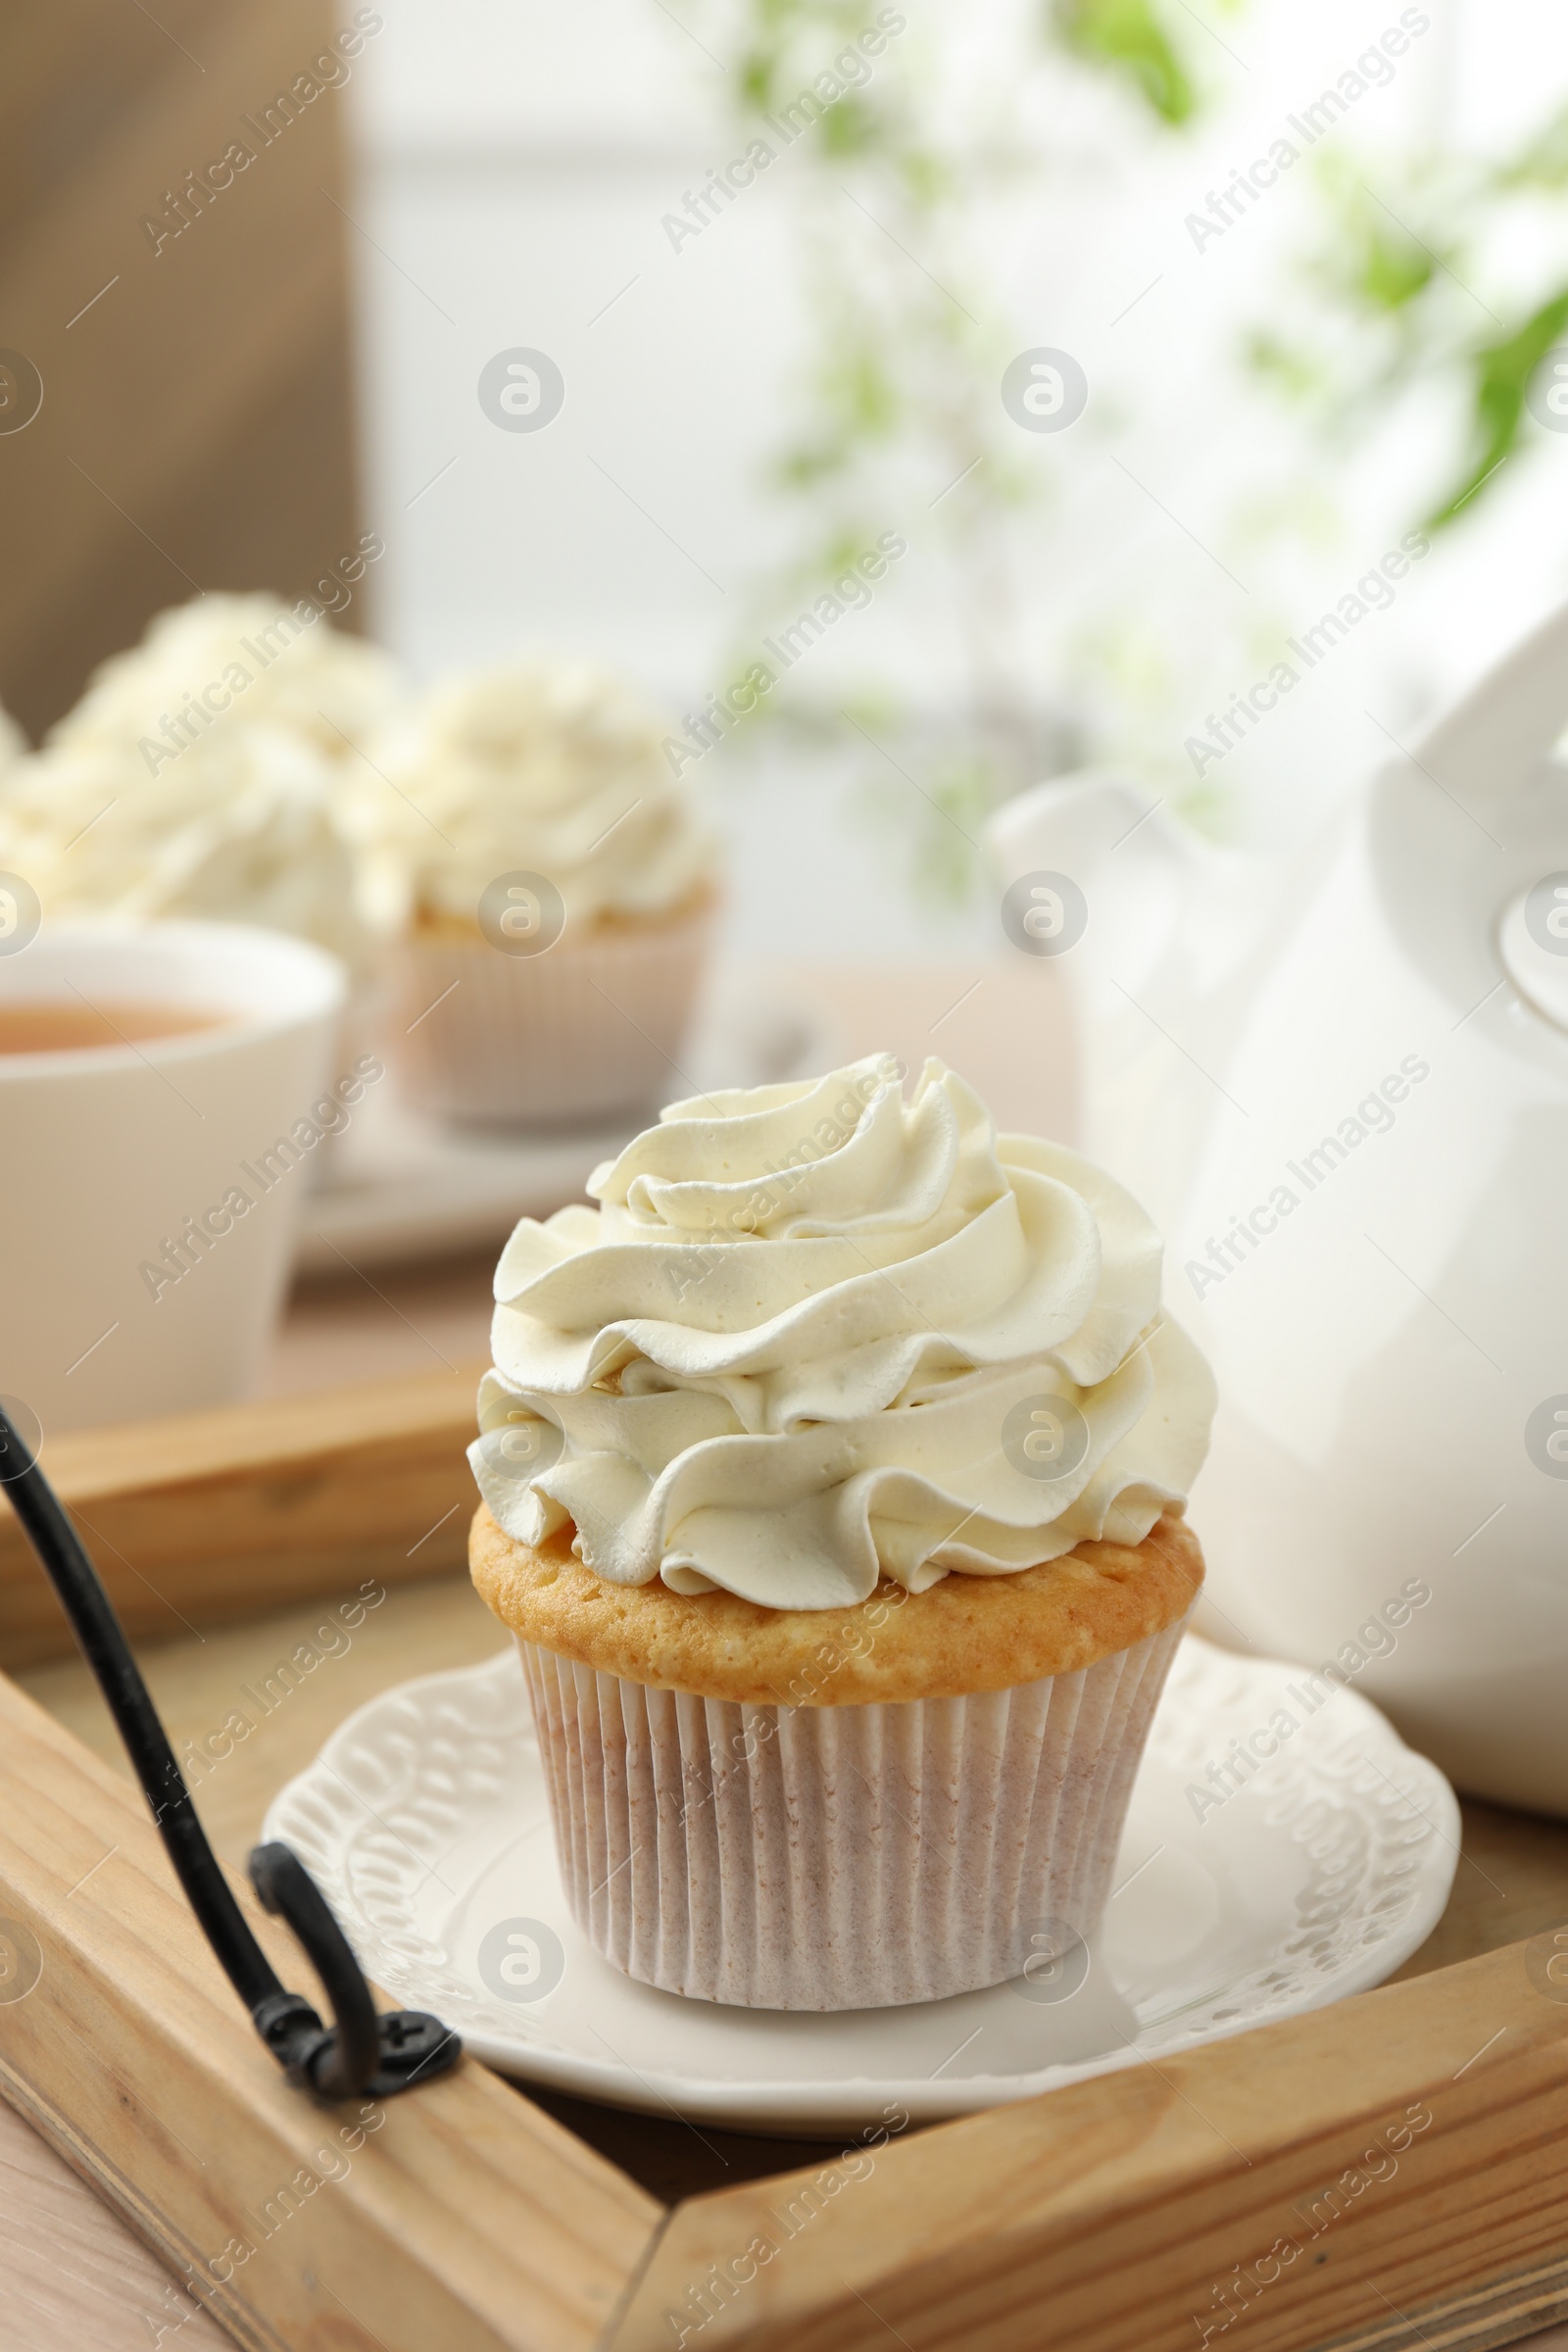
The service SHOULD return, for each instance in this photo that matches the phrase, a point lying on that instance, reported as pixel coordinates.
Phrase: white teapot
(1342, 1089)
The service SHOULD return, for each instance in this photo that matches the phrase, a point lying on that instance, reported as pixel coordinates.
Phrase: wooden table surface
(71, 2272)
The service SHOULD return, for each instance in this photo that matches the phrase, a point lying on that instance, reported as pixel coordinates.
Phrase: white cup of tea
(164, 1089)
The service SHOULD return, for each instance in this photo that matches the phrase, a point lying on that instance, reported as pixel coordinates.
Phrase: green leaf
(809, 463)
(1544, 163)
(1502, 374)
(924, 178)
(849, 128)
(755, 75)
(1299, 374)
(1126, 38)
(1393, 269)
(1370, 257)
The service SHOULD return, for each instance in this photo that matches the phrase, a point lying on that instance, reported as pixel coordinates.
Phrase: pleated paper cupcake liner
(839, 1857)
(592, 1027)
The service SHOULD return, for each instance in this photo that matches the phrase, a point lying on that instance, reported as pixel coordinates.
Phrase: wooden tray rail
(206, 1517)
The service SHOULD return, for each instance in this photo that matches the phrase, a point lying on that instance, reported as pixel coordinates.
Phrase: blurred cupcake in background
(202, 775)
(553, 892)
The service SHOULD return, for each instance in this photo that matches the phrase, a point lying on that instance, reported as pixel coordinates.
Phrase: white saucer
(395, 1185)
(424, 1821)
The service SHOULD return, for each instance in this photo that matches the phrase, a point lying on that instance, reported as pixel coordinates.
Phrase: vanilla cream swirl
(556, 769)
(815, 1334)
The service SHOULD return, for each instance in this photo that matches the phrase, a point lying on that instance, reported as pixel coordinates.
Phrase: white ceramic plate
(425, 1820)
(397, 1186)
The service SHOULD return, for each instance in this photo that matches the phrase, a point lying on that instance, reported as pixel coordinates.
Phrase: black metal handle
(361, 2052)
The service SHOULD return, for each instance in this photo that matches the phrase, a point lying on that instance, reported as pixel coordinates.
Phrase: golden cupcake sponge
(965, 1634)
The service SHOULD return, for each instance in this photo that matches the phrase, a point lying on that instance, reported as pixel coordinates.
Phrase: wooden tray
(1387, 2173)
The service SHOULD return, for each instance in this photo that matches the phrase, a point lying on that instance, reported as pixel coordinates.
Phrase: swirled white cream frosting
(201, 775)
(241, 831)
(223, 664)
(817, 1333)
(555, 768)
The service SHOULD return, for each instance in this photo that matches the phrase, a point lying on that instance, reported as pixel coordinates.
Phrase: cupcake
(554, 891)
(834, 1474)
(201, 776)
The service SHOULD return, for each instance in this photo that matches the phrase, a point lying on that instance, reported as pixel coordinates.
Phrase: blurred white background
(515, 162)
